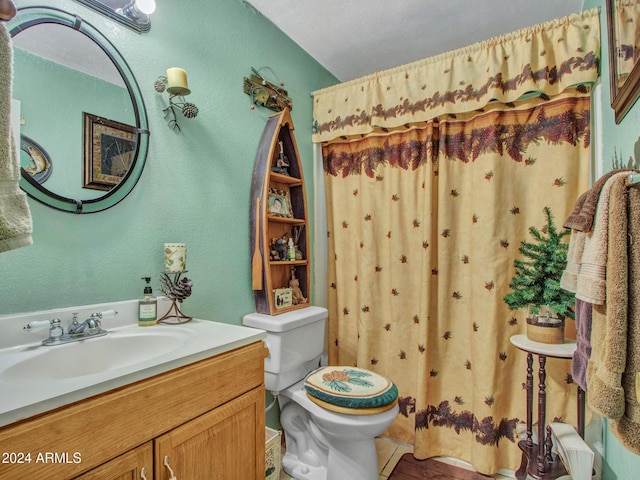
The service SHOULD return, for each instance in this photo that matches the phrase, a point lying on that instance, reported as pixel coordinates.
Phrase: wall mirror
(623, 30)
(66, 71)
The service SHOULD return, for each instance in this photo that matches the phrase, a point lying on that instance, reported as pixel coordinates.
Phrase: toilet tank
(295, 341)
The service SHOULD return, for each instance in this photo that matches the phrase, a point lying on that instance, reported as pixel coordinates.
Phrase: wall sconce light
(175, 84)
(133, 14)
(138, 10)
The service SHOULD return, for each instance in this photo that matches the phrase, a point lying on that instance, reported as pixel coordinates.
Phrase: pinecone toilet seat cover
(350, 390)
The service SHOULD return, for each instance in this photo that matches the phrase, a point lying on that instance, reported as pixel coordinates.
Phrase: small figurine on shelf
(296, 292)
(282, 163)
(278, 249)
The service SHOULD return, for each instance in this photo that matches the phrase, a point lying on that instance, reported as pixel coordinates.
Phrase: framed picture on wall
(109, 148)
(34, 160)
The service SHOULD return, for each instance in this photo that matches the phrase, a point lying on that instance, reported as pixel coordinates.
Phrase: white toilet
(321, 444)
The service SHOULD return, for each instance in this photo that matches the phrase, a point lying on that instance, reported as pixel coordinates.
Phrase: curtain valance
(545, 58)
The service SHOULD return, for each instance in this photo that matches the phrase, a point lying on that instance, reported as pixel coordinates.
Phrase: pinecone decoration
(177, 291)
(189, 110)
(159, 86)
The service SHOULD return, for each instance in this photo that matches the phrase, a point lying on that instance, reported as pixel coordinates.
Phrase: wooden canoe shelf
(277, 177)
(278, 213)
(293, 221)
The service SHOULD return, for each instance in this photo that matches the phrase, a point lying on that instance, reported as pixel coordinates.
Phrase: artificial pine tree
(537, 278)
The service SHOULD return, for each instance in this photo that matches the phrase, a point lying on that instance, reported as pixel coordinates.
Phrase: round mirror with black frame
(80, 103)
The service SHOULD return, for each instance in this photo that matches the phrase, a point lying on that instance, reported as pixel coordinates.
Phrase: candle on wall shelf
(175, 257)
(177, 81)
(175, 84)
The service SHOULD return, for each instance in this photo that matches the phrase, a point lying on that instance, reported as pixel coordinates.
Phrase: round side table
(538, 461)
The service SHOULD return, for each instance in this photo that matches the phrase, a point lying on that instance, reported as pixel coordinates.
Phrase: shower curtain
(434, 173)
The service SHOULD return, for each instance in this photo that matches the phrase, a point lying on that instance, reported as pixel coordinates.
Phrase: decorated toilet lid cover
(350, 390)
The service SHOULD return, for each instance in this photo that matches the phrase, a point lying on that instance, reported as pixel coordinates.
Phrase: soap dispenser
(147, 306)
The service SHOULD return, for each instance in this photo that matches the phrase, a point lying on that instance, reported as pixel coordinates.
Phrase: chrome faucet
(90, 328)
(91, 325)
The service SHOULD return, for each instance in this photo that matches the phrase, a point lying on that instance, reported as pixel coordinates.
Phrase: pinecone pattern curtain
(424, 222)
(424, 226)
(548, 58)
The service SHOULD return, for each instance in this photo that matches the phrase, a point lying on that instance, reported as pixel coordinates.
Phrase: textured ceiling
(352, 38)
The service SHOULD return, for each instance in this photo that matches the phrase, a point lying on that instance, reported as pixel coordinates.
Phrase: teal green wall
(618, 145)
(196, 185)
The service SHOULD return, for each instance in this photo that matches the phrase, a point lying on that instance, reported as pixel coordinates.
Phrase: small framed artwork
(109, 148)
(279, 203)
(282, 297)
(35, 160)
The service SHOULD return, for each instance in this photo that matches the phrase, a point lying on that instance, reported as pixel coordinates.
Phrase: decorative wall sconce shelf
(266, 94)
(175, 84)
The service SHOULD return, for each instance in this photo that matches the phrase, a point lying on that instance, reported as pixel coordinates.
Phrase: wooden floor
(408, 468)
(391, 453)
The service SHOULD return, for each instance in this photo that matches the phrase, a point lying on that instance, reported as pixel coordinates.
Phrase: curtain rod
(632, 179)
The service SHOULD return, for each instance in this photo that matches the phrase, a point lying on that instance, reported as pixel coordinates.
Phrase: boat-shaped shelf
(279, 213)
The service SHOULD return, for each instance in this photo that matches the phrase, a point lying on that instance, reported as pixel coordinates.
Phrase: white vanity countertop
(32, 393)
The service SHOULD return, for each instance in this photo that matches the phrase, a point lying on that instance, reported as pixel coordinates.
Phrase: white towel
(591, 281)
(15, 217)
(569, 279)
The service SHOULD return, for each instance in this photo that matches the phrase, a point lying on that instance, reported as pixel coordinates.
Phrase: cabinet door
(226, 443)
(137, 464)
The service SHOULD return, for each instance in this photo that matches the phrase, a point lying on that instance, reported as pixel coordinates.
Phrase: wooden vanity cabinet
(207, 418)
(212, 446)
(136, 464)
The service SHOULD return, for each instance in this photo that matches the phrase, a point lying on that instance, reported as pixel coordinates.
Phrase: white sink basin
(127, 346)
(35, 378)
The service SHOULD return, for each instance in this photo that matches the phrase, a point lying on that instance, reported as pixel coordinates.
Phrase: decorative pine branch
(537, 277)
(486, 431)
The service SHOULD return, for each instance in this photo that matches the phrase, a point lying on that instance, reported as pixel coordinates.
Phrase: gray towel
(15, 216)
(582, 352)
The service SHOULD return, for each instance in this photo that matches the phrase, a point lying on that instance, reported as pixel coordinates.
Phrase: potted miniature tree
(536, 283)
